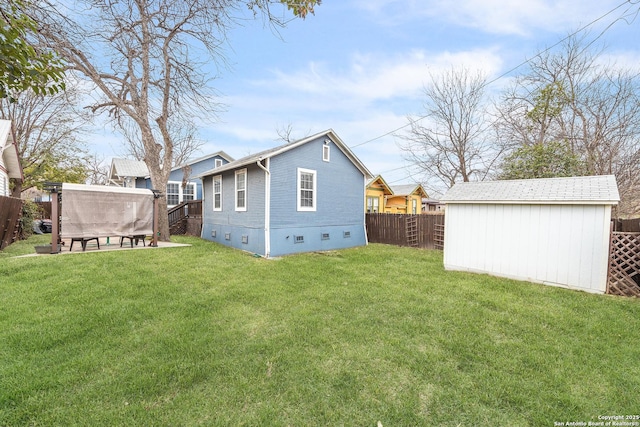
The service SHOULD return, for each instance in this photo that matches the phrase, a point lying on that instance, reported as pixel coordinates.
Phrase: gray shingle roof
(126, 167)
(574, 190)
(253, 158)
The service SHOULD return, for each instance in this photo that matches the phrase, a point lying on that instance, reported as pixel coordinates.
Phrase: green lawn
(207, 335)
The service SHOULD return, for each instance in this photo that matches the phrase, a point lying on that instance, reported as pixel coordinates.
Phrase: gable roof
(379, 179)
(573, 190)
(266, 154)
(9, 150)
(222, 154)
(408, 189)
(126, 167)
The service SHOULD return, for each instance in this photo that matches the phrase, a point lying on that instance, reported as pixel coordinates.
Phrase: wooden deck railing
(180, 214)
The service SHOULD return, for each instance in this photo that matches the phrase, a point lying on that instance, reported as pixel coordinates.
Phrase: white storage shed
(553, 231)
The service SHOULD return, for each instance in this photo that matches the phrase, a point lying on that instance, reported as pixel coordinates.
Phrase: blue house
(134, 174)
(303, 196)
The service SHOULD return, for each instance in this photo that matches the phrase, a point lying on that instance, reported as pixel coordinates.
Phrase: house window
(218, 163)
(414, 206)
(241, 190)
(217, 193)
(325, 236)
(189, 192)
(325, 152)
(373, 204)
(176, 194)
(306, 190)
(298, 239)
(173, 193)
(346, 234)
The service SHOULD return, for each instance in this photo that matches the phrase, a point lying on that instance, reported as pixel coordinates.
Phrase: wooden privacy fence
(624, 264)
(405, 230)
(10, 214)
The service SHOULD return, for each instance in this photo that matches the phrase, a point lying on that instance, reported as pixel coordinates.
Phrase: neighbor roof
(126, 167)
(573, 190)
(385, 187)
(253, 158)
(220, 154)
(407, 189)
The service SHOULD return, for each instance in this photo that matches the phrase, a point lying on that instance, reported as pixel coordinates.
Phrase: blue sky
(360, 66)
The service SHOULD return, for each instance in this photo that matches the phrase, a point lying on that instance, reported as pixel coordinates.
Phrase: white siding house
(553, 231)
(9, 159)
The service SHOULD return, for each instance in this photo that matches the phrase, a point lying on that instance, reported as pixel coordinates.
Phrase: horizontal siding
(340, 192)
(564, 245)
(248, 223)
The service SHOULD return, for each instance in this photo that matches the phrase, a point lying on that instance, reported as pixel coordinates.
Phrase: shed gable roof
(573, 190)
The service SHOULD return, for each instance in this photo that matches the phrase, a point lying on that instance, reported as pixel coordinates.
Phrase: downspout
(364, 222)
(267, 206)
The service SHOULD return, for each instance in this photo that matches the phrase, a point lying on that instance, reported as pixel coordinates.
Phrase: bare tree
(147, 60)
(595, 110)
(49, 131)
(98, 170)
(449, 142)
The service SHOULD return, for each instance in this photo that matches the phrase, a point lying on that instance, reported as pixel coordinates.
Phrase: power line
(623, 17)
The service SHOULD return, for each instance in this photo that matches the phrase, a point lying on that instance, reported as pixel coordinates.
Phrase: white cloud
(371, 77)
(511, 17)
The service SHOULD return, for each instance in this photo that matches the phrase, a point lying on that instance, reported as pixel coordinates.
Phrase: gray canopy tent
(95, 211)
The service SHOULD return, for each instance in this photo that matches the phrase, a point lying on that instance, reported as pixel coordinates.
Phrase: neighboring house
(377, 192)
(127, 173)
(176, 193)
(134, 174)
(553, 231)
(10, 167)
(304, 196)
(406, 199)
(432, 205)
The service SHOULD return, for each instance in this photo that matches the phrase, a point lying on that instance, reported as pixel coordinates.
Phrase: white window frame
(173, 183)
(314, 190)
(219, 179)
(238, 190)
(218, 163)
(374, 207)
(181, 191)
(326, 153)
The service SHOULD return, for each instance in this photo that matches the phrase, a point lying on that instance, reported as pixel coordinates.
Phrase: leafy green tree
(23, 65)
(550, 160)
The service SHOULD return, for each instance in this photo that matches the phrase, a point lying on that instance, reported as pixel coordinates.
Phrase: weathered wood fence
(10, 214)
(405, 230)
(627, 225)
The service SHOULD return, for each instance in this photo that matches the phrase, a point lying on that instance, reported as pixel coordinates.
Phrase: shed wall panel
(563, 245)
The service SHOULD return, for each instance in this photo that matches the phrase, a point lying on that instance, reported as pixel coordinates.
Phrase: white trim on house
(245, 197)
(267, 205)
(326, 152)
(219, 192)
(302, 202)
(181, 193)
